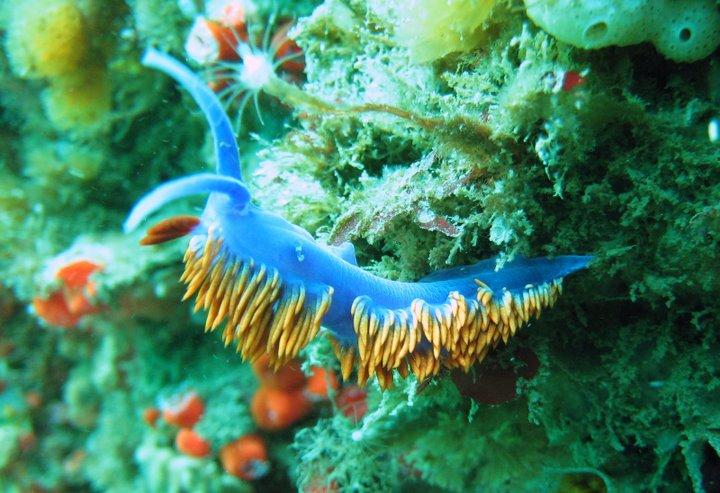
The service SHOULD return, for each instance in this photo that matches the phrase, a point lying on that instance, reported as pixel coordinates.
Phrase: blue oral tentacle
(184, 187)
(226, 150)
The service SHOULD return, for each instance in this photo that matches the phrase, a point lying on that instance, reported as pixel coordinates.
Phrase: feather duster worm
(273, 285)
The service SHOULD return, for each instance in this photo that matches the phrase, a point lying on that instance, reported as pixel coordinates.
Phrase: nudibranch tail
(459, 331)
(226, 150)
(183, 187)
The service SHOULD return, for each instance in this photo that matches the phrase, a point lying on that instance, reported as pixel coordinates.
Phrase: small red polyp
(286, 48)
(571, 80)
(73, 300)
(211, 42)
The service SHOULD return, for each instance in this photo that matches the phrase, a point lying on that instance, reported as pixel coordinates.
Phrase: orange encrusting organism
(76, 275)
(245, 458)
(73, 300)
(211, 42)
(189, 442)
(55, 311)
(231, 14)
(170, 229)
(284, 396)
(215, 38)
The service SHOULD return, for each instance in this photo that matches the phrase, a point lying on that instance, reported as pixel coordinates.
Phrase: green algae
(620, 167)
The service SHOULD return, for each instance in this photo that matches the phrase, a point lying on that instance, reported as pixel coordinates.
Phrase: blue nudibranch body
(273, 285)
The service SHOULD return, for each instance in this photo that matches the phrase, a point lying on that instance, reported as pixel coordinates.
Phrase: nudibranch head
(273, 285)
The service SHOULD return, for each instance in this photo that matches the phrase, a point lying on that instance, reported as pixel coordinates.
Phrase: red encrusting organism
(351, 401)
(493, 384)
(66, 306)
(320, 484)
(246, 458)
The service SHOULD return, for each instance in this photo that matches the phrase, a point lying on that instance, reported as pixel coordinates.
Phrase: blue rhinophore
(274, 286)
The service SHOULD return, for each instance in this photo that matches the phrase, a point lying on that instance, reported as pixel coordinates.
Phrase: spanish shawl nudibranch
(274, 285)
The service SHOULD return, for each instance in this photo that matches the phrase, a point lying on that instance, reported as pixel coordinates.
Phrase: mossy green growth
(163, 469)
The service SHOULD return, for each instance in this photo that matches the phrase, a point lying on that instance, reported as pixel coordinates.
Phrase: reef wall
(483, 134)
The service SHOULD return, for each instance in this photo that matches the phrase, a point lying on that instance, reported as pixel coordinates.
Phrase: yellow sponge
(431, 29)
(79, 102)
(45, 39)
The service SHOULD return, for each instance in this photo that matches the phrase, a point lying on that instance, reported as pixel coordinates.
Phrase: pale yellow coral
(50, 161)
(682, 30)
(431, 29)
(45, 39)
(14, 204)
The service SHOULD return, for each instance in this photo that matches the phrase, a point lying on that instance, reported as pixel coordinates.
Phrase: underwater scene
(335, 246)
